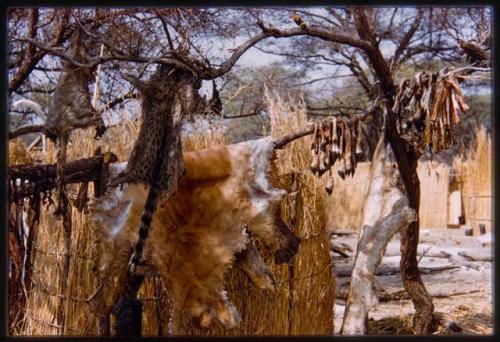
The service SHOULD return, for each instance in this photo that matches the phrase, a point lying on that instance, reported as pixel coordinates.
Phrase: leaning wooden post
(386, 210)
(68, 232)
(129, 309)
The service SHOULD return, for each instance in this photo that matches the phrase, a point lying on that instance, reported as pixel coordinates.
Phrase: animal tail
(144, 226)
(31, 105)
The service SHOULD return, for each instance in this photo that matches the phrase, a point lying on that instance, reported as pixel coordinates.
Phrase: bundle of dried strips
(431, 104)
(444, 115)
(335, 139)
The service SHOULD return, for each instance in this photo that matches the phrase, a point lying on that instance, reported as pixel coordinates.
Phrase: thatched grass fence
(301, 305)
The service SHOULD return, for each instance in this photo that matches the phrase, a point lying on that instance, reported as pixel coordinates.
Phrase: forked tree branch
(405, 41)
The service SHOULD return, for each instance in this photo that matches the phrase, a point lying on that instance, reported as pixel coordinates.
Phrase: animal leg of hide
(226, 312)
(386, 211)
(251, 263)
(290, 246)
(197, 298)
(199, 305)
(191, 309)
(111, 278)
(108, 215)
(203, 314)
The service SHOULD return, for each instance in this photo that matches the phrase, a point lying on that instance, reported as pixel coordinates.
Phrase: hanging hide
(197, 231)
(70, 107)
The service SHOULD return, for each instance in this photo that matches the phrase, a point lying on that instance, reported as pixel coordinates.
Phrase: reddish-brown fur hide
(196, 233)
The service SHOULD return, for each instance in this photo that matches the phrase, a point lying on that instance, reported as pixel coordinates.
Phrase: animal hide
(224, 199)
(167, 97)
(70, 106)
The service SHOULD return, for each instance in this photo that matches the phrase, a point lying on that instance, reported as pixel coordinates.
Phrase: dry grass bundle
(18, 153)
(48, 303)
(311, 280)
(204, 138)
(53, 299)
(472, 172)
(433, 194)
(344, 208)
(475, 170)
(470, 323)
(397, 325)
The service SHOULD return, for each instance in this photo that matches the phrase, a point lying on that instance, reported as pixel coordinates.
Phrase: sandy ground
(462, 293)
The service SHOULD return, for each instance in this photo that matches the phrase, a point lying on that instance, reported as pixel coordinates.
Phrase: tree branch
(283, 141)
(317, 16)
(121, 99)
(31, 61)
(363, 27)
(405, 41)
(99, 60)
(42, 178)
(33, 21)
(165, 29)
(360, 75)
(276, 33)
(241, 115)
(25, 130)
(376, 58)
(336, 107)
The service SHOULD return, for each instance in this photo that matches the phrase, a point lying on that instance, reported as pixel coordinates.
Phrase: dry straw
(312, 283)
(47, 302)
(474, 170)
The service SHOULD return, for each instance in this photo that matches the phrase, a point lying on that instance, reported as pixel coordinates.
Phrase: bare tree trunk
(407, 160)
(67, 226)
(386, 211)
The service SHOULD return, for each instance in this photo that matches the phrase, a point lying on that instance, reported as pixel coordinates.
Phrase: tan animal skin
(224, 199)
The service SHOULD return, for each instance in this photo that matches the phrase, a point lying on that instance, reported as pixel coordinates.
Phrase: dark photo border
(4, 155)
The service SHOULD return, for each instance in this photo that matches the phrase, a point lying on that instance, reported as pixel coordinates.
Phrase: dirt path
(461, 288)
